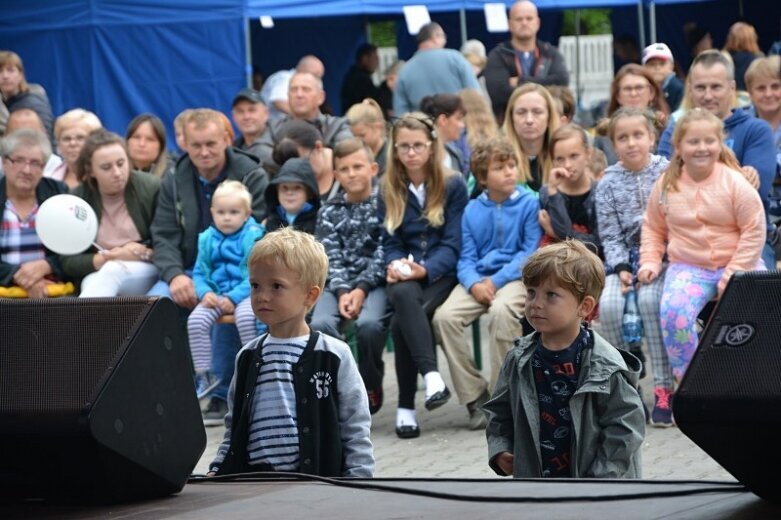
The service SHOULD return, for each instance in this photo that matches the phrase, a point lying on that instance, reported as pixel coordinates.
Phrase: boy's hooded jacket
(221, 266)
(299, 171)
(608, 420)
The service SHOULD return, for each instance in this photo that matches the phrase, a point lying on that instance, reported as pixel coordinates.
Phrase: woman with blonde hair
(743, 47)
(70, 132)
(421, 204)
(367, 123)
(529, 121)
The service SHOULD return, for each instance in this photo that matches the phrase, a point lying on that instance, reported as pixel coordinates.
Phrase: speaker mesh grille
(53, 353)
(746, 370)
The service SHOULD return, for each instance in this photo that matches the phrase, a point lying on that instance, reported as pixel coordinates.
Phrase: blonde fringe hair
(673, 171)
(478, 117)
(79, 117)
(235, 189)
(394, 184)
(544, 160)
(297, 251)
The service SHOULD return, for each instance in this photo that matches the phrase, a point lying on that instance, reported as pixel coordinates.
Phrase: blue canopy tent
(123, 57)
(119, 58)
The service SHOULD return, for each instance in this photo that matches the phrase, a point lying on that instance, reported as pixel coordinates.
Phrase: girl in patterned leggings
(709, 220)
(621, 198)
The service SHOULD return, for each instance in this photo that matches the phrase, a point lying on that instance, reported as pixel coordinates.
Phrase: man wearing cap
(522, 59)
(251, 115)
(658, 61)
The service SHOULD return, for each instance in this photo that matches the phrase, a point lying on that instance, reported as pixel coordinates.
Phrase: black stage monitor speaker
(729, 402)
(97, 400)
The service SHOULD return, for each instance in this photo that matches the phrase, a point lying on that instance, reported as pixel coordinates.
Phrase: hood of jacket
(294, 170)
(604, 360)
(513, 200)
(738, 116)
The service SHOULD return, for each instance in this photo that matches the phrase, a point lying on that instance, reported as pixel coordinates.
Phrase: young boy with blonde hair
(296, 402)
(566, 402)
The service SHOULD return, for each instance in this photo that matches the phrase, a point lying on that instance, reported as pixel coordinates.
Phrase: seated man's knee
(325, 325)
(503, 313)
(370, 328)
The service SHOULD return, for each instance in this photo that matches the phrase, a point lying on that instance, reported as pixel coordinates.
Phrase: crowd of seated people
(427, 217)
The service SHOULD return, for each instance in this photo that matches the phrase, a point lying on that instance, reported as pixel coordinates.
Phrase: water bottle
(633, 324)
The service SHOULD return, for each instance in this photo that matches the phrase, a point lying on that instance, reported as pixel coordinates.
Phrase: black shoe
(406, 431)
(375, 400)
(438, 399)
(214, 413)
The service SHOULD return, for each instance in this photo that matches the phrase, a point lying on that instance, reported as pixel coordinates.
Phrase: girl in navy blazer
(421, 204)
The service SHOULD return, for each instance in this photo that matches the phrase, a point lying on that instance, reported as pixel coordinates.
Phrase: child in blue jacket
(220, 274)
(499, 231)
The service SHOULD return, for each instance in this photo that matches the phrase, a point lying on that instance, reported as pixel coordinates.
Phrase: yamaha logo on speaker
(734, 335)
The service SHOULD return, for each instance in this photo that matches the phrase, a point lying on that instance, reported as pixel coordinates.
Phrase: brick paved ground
(446, 448)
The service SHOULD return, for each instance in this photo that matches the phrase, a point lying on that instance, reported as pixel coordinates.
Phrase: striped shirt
(273, 429)
(19, 242)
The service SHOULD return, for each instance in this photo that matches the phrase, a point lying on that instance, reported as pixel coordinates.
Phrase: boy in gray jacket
(566, 401)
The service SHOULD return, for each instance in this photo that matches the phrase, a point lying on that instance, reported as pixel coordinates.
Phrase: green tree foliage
(592, 21)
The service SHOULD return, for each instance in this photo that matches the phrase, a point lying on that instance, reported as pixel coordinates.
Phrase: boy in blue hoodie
(499, 231)
(220, 274)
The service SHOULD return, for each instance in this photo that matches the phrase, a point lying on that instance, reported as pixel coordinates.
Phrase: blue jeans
(225, 344)
(769, 256)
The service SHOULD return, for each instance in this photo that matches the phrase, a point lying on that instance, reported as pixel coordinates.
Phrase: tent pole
(641, 23)
(578, 88)
(248, 52)
(652, 20)
(462, 20)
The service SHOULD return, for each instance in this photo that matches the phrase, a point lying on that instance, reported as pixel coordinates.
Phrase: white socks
(405, 417)
(434, 383)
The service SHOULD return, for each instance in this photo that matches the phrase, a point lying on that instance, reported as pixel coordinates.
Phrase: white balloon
(66, 224)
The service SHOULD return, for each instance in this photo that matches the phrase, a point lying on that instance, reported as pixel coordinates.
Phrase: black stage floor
(487, 498)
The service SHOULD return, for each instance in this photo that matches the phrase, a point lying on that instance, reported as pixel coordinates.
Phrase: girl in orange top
(710, 221)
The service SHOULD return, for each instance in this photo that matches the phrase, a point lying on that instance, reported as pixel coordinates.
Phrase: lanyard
(537, 62)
